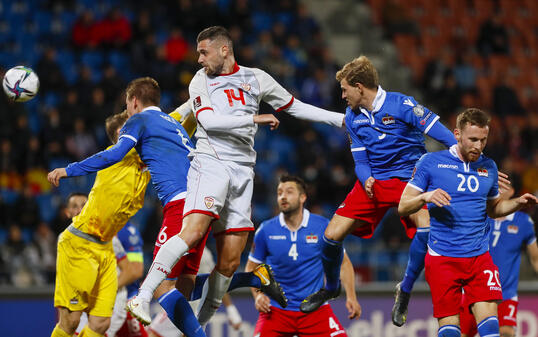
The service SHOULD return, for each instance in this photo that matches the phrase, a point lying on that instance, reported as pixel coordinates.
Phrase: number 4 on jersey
(293, 252)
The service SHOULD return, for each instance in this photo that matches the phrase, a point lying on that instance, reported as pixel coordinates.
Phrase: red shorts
(447, 276)
(279, 322)
(172, 223)
(506, 312)
(358, 205)
(131, 328)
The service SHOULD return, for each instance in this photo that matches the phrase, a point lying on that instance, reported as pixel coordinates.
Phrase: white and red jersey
(232, 100)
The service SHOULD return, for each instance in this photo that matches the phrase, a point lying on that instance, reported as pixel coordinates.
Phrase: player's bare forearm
(497, 207)
(129, 272)
(347, 276)
(532, 251)
(413, 200)
(410, 201)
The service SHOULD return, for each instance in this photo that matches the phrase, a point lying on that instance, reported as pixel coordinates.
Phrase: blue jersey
(294, 256)
(132, 243)
(164, 146)
(505, 243)
(391, 134)
(458, 230)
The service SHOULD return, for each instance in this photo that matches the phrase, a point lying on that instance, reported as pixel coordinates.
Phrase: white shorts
(221, 189)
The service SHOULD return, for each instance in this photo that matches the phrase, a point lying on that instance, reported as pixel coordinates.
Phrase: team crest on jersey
(418, 111)
(197, 102)
(388, 120)
(209, 202)
(482, 172)
(311, 238)
(246, 86)
(512, 229)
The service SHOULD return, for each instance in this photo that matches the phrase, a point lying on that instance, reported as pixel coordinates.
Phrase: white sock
(214, 289)
(163, 263)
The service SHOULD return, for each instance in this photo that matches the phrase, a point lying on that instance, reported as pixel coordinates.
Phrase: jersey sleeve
(199, 97)
(133, 128)
(271, 92)
(420, 179)
(494, 190)
(417, 115)
(258, 253)
(528, 224)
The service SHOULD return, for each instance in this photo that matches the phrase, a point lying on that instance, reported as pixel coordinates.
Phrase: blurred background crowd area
(458, 53)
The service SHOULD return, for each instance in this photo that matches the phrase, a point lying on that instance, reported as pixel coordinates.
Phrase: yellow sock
(58, 332)
(87, 332)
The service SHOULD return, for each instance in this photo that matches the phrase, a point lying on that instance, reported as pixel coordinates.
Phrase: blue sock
(449, 331)
(239, 280)
(417, 253)
(332, 254)
(180, 313)
(488, 327)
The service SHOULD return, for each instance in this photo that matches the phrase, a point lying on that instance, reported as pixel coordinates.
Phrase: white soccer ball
(20, 84)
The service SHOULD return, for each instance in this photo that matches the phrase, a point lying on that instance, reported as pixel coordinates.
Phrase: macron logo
(408, 102)
(449, 166)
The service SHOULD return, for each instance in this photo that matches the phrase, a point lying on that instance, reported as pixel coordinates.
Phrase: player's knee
(69, 320)
(449, 331)
(228, 267)
(99, 324)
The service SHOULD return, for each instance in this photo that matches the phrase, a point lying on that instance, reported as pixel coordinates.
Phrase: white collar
(152, 107)
(378, 101)
(510, 217)
(304, 223)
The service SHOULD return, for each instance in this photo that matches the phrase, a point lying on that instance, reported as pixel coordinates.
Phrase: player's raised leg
(332, 253)
(195, 225)
(415, 265)
(230, 245)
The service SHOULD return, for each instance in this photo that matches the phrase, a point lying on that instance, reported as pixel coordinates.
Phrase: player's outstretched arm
(347, 276)
(94, 163)
(413, 200)
(312, 113)
(497, 207)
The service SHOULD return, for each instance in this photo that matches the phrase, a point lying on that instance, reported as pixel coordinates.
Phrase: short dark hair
(297, 180)
(473, 116)
(112, 124)
(145, 89)
(216, 32)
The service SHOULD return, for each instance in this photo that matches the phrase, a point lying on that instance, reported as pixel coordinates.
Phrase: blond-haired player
(86, 279)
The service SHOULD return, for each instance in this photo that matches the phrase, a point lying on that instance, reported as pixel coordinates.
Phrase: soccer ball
(20, 84)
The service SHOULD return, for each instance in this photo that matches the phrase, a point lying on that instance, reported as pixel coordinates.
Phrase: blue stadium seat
(43, 21)
(261, 21)
(92, 59)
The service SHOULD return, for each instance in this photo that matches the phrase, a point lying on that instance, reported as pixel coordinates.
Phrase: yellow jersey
(117, 194)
